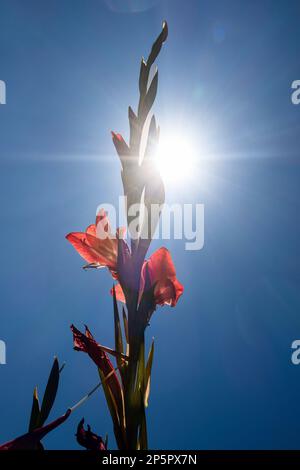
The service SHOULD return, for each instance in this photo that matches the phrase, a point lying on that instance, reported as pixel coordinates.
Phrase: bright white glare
(176, 158)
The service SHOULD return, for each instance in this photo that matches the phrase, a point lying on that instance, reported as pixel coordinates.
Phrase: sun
(175, 158)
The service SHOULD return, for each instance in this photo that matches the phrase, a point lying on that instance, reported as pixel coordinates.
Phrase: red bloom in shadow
(32, 440)
(86, 343)
(88, 439)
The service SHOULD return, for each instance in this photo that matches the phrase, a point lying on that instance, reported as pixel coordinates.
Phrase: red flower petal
(78, 240)
(162, 273)
(91, 230)
(88, 439)
(119, 293)
(97, 245)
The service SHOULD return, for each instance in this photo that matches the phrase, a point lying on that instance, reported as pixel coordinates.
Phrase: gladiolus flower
(100, 251)
(88, 439)
(32, 440)
(162, 274)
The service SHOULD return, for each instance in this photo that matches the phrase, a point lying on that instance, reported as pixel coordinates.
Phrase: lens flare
(176, 158)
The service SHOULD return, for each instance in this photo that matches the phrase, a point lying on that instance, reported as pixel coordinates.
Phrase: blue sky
(222, 373)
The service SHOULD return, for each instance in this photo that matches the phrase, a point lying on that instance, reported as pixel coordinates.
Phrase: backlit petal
(163, 274)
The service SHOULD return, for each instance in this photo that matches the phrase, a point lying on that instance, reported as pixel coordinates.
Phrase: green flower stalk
(142, 284)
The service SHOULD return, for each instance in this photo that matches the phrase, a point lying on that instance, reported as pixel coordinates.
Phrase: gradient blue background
(222, 375)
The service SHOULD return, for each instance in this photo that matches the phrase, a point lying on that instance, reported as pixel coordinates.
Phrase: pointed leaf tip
(50, 392)
(165, 30)
(35, 412)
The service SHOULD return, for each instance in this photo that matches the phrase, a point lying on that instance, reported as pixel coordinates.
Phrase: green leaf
(125, 321)
(35, 412)
(140, 367)
(147, 102)
(152, 141)
(143, 439)
(50, 392)
(148, 374)
(116, 414)
(111, 402)
(118, 332)
(133, 124)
